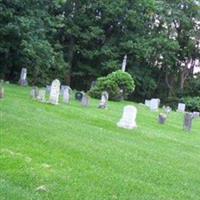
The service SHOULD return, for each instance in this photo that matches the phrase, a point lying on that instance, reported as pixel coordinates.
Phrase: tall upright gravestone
(187, 125)
(55, 92)
(23, 77)
(85, 100)
(66, 94)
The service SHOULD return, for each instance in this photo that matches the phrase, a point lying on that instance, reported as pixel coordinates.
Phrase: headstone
(79, 95)
(147, 103)
(1, 92)
(48, 88)
(167, 109)
(188, 121)
(63, 87)
(55, 92)
(154, 104)
(196, 115)
(41, 95)
(104, 100)
(181, 107)
(23, 77)
(162, 118)
(66, 94)
(128, 118)
(85, 100)
(34, 92)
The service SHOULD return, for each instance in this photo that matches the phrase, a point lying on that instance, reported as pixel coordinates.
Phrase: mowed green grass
(79, 153)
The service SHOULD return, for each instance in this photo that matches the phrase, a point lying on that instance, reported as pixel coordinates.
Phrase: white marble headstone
(128, 119)
(181, 107)
(154, 104)
(55, 92)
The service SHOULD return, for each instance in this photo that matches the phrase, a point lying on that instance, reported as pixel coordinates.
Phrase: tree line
(78, 41)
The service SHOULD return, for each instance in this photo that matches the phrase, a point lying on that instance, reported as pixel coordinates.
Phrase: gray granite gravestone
(23, 77)
(66, 94)
(85, 100)
(188, 117)
(162, 118)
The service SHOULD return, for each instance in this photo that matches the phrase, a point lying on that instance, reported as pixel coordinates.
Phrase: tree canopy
(78, 41)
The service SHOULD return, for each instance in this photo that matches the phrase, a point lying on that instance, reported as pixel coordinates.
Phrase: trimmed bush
(192, 103)
(114, 84)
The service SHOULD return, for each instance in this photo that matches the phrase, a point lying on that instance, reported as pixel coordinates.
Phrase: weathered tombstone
(55, 92)
(128, 118)
(34, 92)
(162, 118)
(79, 95)
(167, 109)
(41, 95)
(196, 115)
(48, 88)
(85, 100)
(1, 92)
(181, 107)
(63, 87)
(66, 94)
(147, 103)
(104, 100)
(154, 104)
(188, 121)
(23, 77)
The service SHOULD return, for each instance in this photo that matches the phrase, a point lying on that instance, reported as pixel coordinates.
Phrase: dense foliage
(78, 41)
(118, 84)
(192, 103)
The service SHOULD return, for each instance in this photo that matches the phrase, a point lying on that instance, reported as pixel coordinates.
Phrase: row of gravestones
(153, 104)
(128, 119)
(55, 92)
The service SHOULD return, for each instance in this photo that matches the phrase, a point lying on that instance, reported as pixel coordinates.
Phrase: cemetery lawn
(79, 153)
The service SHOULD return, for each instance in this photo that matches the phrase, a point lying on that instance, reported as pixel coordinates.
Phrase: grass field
(78, 153)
